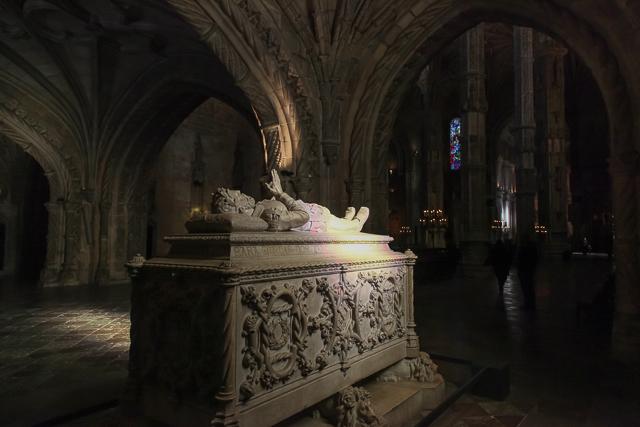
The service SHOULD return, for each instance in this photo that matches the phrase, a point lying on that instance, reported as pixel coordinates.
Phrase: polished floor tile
(561, 369)
(60, 349)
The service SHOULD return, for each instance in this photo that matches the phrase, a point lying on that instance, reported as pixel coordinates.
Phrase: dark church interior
(465, 130)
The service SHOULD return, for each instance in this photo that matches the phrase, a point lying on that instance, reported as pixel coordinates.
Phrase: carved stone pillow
(224, 223)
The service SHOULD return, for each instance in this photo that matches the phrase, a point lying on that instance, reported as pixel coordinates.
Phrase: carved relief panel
(296, 328)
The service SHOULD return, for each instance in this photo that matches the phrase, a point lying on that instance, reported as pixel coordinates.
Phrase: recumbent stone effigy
(247, 321)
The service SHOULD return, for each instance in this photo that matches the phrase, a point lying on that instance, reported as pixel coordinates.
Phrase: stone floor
(560, 362)
(62, 350)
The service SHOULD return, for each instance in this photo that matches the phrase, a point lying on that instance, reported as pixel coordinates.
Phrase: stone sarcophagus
(250, 328)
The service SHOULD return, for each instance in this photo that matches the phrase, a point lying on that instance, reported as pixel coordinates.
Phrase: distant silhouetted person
(586, 247)
(527, 261)
(500, 259)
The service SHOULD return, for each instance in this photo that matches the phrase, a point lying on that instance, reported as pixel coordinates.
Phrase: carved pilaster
(55, 244)
(413, 344)
(525, 131)
(226, 416)
(71, 243)
(130, 401)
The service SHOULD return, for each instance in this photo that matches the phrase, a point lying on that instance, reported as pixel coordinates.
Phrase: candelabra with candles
(405, 230)
(436, 224)
(500, 227)
(541, 229)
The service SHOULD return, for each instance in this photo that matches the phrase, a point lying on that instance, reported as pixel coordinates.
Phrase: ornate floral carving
(385, 307)
(278, 321)
(338, 321)
(278, 329)
(342, 315)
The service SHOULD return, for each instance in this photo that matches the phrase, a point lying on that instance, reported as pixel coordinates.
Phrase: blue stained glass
(454, 143)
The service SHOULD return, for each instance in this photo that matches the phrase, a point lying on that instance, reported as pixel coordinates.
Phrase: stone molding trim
(233, 274)
(300, 237)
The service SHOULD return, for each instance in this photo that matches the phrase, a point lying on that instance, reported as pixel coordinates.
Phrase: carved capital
(331, 151)
(355, 185)
(303, 186)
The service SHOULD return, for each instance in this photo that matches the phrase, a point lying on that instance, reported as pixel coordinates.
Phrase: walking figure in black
(526, 262)
(500, 259)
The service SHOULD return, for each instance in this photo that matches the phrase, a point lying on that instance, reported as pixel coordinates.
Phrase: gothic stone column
(55, 244)
(552, 153)
(473, 149)
(355, 188)
(625, 174)
(525, 131)
(103, 261)
(136, 229)
(433, 145)
(378, 222)
(71, 243)
(9, 219)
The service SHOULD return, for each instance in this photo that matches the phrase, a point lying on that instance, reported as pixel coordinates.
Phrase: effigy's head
(232, 201)
(276, 215)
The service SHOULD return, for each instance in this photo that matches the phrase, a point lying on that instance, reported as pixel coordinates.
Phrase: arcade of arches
(120, 117)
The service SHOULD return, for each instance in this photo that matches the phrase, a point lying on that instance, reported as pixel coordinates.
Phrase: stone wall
(232, 157)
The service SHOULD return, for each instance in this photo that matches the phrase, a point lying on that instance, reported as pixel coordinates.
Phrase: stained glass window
(454, 143)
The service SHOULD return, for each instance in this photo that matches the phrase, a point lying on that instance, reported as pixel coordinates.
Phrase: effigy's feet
(350, 213)
(362, 216)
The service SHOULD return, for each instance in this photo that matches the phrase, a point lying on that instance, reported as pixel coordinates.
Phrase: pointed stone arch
(19, 124)
(142, 122)
(245, 41)
(437, 24)
(14, 125)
